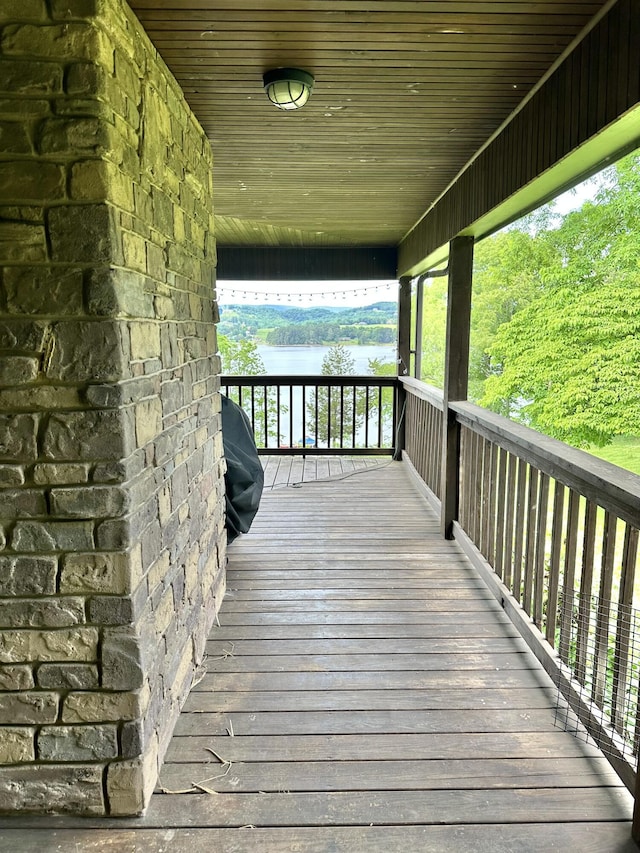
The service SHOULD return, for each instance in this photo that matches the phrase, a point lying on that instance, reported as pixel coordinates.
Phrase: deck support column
(456, 373)
(403, 360)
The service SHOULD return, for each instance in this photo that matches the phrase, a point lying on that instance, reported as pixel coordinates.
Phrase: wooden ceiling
(406, 92)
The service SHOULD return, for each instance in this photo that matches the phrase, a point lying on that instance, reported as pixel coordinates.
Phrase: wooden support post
(404, 360)
(417, 364)
(456, 373)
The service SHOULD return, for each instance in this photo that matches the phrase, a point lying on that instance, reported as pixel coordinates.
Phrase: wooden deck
(363, 692)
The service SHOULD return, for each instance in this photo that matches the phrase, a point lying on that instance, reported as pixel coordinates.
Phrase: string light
(288, 296)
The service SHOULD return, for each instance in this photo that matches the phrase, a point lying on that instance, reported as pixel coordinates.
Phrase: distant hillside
(306, 324)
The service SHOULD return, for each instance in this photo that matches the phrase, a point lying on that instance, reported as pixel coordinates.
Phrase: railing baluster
(530, 548)
(569, 579)
(541, 539)
(500, 513)
(604, 609)
(291, 415)
(554, 564)
(584, 596)
(508, 532)
(519, 535)
(304, 416)
(354, 413)
(278, 415)
(624, 627)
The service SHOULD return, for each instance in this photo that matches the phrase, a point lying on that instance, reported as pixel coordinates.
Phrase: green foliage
(288, 325)
(567, 362)
(240, 358)
(434, 325)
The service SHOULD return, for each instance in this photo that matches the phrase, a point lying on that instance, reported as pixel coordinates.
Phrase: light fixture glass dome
(288, 88)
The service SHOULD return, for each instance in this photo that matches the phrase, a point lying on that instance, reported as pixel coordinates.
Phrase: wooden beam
(377, 263)
(560, 136)
(456, 372)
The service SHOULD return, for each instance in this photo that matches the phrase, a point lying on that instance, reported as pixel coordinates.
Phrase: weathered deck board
(359, 663)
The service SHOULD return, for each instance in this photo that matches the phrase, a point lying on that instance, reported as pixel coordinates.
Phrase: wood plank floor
(363, 692)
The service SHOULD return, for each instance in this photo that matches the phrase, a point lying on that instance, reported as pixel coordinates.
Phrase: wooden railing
(318, 414)
(554, 529)
(559, 529)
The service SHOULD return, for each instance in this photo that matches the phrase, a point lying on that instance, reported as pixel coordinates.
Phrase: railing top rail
(607, 485)
(348, 381)
(425, 392)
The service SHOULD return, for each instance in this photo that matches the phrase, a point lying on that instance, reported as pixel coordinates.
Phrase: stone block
(44, 788)
(114, 535)
(110, 472)
(18, 438)
(41, 612)
(37, 397)
(15, 138)
(16, 677)
(24, 334)
(75, 644)
(131, 783)
(148, 418)
(111, 610)
(86, 352)
(135, 255)
(133, 738)
(89, 502)
(145, 340)
(24, 576)
(31, 181)
(60, 41)
(122, 667)
(16, 745)
(104, 707)
(22, 503)
(102, 292)
(22, 242)
(60, 473)
(104, 396)
(91, 573)
(101, 180)
(75, 137)
(83, 436)
(30, 77)
(11, 475)
(29, 707)
(18, 369)
(38, 290)
(77, 743)
(68, 676)
(81, 233)
(52, 536)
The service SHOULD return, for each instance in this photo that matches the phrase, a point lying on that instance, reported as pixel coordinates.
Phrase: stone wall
(111, 473)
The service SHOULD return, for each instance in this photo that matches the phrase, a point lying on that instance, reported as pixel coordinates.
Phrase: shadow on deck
(363, 692)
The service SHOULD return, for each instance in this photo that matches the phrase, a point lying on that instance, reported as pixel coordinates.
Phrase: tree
(567, 363)
(241, 358)
(508, 274)
(335, 408)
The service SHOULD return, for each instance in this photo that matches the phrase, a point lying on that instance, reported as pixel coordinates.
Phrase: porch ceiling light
(288, 88)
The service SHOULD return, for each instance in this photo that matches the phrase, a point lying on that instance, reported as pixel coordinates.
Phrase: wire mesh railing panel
(605, 680)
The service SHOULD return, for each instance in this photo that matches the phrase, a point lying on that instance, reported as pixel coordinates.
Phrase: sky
(350, 293)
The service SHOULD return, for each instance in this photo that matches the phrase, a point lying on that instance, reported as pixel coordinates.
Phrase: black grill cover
(244, 478)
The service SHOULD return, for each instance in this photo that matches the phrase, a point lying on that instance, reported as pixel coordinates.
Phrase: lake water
(308, 360)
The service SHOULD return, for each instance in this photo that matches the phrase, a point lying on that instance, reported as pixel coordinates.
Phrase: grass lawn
(624, 452)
